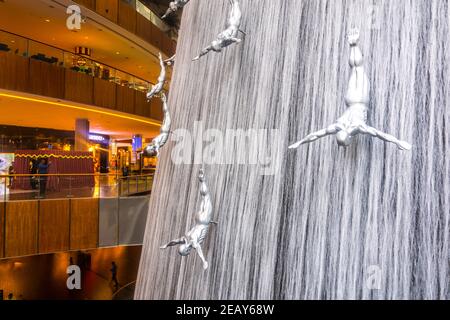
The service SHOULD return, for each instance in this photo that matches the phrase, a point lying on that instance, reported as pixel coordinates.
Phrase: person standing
(11, 171)
(33, 171)
(43, 169)
(114, 274)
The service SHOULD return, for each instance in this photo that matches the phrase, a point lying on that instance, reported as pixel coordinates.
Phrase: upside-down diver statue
(157, 143)
(354, 120)
(229, 35)
(203, 219)
(174, 6)
(158, 87)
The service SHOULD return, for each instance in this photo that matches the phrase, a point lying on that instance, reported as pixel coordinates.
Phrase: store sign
(98, 138)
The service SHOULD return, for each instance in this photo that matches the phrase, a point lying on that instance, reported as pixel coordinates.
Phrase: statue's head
(173, 6)
(344, 139)
(184, 249)
(150, 151)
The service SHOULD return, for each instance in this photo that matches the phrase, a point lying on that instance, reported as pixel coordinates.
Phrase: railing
(19, 187)
(10, 42)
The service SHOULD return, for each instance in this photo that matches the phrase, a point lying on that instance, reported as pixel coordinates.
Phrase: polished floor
(44, 277)
(105, 188)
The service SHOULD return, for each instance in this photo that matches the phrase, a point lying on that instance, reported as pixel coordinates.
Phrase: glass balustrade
(62, 186)
(42, 52)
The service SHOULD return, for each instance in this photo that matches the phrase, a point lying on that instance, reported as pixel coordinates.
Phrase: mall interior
(73, 101)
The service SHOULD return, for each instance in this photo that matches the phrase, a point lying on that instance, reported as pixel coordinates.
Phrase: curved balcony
(33, 67)
(136, 18)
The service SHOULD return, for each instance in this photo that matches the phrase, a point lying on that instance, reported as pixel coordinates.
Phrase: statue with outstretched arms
(354, 120)
(203, 219)
(229, 35)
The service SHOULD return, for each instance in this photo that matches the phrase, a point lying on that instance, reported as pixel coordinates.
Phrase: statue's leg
(203, 52)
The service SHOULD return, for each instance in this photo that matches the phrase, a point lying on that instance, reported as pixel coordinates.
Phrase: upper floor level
(106, 66)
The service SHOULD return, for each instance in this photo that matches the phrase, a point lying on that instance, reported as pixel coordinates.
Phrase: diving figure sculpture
(157, 143)
(229, 35)
(174, 6)
(203, 219)
(158, 87)
(354, 119)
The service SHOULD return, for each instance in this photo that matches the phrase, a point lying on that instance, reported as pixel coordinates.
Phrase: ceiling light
(47, 20)
(117, 52)
(101, 112)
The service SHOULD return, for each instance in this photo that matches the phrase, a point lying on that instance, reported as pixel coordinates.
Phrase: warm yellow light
(60, 104)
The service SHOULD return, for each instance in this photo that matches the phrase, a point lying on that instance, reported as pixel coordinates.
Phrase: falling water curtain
(62, 162)
(367, 222)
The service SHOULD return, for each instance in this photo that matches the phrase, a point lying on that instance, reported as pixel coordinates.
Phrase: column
(82, 135)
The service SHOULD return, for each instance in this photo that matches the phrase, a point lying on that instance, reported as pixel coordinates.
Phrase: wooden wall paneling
(2, 228)
(167, 46)
(79, 87)
(143, 28)
(156, 35)
(21, 234)
(90, 4)
(54, 222)
(125, 99)
(14, 72)
(104, 93)
(142, 106)
(84, 223)
(156, 111)
(127, 16)
(108, 9)
(46, 79)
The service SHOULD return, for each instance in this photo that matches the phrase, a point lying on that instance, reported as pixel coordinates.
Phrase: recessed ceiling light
(86, 37)
(117, 52)
(47, 20)
(12, 41)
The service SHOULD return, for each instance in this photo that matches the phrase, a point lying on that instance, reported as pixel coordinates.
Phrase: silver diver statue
(354, 120)
(158, 87)
(157, 143)
(203, 219)
(174, 6)
(229, 35)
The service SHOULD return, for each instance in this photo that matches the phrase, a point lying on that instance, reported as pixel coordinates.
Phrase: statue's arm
(197, 247)
(402, 145)
(174, 243)
(333, 129)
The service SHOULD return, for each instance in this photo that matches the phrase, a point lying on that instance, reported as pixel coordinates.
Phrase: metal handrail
(76, 175)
